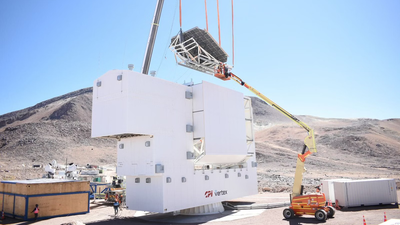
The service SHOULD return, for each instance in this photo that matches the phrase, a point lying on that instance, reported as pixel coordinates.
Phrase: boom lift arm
(309, 142)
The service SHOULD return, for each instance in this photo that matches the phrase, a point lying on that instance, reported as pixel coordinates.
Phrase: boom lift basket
(198, 50)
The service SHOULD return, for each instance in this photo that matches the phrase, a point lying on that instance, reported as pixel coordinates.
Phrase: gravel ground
(102, 214)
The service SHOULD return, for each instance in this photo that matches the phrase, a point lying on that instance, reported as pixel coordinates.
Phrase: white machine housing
(179, 146)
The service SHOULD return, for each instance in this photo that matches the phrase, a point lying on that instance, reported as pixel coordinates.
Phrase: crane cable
(180, 23)
(233, 40)
(164, 56)
(219, 28)
(180, 13)
(205, 3)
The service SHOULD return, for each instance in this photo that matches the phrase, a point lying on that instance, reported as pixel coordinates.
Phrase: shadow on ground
(303, 220)
(167, 218)
(9, 220)
(362, 208)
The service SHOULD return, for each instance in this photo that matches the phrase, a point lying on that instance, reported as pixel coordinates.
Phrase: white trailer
(355, 193)
(328, 189)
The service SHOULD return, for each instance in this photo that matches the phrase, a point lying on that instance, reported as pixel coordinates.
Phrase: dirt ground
(103, 214)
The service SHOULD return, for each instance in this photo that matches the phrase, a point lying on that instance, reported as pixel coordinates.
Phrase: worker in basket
(223, 72)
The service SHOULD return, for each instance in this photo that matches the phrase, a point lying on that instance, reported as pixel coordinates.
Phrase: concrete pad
(227, 215)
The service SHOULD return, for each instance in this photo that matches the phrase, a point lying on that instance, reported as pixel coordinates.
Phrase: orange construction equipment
(313, 204)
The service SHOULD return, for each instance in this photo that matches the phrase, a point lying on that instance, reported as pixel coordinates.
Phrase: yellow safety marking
(300, 199)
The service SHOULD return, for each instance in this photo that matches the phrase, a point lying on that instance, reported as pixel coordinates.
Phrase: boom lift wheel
(288, 213)
(321, 215)
(331, 212)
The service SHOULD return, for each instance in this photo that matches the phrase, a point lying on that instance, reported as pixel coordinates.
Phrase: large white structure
(180, 146)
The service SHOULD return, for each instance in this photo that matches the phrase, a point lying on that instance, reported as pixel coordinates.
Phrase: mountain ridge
(60, 128)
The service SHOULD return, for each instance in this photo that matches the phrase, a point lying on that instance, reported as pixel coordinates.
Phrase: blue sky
(335, 59)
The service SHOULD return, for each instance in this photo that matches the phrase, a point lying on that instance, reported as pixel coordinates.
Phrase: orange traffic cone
(364, 223)
(3, 217)
(337, 205)
(384, 217)
(329, 203)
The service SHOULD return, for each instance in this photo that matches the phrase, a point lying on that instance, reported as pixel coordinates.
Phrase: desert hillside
(346, 148)
(59, 129)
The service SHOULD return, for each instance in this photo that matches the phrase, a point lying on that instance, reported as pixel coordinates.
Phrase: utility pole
(152, 37)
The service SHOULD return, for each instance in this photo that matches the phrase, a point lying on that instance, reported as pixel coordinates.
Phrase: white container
(356, 193)
(328, 189)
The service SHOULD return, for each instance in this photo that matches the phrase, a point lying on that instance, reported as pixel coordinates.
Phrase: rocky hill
(346, 148)
(59, 129)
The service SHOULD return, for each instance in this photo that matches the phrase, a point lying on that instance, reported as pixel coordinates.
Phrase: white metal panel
(157, 106)
(114, 112)
(145, 196)
(340, 191)
(109, 87)
(223, 159)
(248, 108)
(108, 102)
(224, 124)
(198, 102)
(198, 124)
(365, 192)
(249, 120)
(224, 121)
(195, 191)
(146, 105)
(328, 189)
(135, 158)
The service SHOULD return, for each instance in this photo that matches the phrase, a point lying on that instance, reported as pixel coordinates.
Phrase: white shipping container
(356, 193)
(328, 189)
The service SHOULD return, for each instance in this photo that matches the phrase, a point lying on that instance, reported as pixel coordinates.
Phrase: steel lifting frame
(203, 61)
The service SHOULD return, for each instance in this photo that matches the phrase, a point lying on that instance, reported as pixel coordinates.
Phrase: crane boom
(152, 37)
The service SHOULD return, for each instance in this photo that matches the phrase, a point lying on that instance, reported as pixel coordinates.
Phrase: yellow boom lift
(314, 204)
